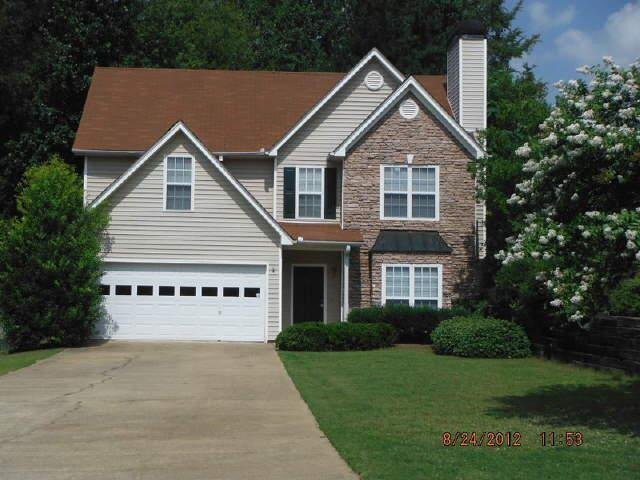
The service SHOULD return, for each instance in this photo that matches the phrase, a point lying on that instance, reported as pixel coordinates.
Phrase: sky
(578, 32)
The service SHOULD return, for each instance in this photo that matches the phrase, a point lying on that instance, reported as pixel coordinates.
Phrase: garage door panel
(189, 313)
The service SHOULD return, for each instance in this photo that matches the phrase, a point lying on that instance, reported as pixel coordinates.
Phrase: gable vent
(409, 109)
(373, 80)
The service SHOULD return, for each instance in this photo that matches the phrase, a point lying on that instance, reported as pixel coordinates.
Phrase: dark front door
(308, 294)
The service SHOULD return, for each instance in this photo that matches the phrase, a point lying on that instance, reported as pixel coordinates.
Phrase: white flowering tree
(581, 197)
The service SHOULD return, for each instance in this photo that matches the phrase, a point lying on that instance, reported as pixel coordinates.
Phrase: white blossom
(524, 151)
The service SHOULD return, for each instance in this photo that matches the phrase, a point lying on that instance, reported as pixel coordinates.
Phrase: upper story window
(409, 193)
(179, 183)
(310, 192)
(415, 285)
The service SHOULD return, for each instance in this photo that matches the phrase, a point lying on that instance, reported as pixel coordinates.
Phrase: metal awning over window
(403, 241)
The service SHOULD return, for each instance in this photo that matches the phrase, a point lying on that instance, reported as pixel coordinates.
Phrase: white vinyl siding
(409, 193)
(329, 127)
(102, 172)
(414, 285)
(474, 83)
(453, 79)
(224, 228)
(256, 175)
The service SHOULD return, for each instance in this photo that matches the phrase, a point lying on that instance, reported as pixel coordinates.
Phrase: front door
(308, 294)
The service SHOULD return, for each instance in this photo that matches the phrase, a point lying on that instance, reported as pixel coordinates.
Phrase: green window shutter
(330, 191)
(289, 210)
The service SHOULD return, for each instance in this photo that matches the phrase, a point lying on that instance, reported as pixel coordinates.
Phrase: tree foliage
(517, 106)
(50, 265)
(580, 196)
(49, 49)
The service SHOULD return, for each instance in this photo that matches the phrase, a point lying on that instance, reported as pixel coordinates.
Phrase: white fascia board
(106, 153)
(374, 53)
(413, 86)
(181, 127)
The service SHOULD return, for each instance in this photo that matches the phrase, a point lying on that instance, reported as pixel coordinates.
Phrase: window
(144, 290)
(187, 291)
(310, 192)
(425, 289)
(409, 192)
(415, 285)
(209, 291)
(105, 289)
(397, 286)
(123, 289)
(252, 292)
(166, 291)
(231, 292)
(179, 183)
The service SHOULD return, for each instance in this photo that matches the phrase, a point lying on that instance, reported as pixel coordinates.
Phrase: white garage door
(183, 302)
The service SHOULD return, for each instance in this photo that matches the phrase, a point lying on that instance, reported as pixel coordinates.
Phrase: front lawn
(385, 411)
(14, 361)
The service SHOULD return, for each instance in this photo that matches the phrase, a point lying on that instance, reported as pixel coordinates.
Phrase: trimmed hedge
(413, 324)
(476, 336)
(320, 337)
(625, 298)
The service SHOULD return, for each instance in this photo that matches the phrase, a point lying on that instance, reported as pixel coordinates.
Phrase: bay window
(414, 285)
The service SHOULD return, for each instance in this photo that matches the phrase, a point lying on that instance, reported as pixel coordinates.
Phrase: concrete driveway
(130, 410)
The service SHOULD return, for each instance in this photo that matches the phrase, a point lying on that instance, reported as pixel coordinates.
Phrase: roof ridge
(168, 69)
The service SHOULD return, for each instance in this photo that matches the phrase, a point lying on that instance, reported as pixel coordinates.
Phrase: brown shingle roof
(321, 232)
(436, 85)
(128, 109)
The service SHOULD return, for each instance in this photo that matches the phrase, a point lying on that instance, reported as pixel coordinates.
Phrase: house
(244, 201)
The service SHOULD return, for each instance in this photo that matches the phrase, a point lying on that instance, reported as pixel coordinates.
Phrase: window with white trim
(179, 183)
(415, 285)
(310, 192)
(409, 192)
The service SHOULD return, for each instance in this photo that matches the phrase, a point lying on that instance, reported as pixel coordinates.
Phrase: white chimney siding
(467, 94)
(467, 81)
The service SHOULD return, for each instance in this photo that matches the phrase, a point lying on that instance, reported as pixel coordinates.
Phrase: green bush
(50, 266)
(413, 324)
(624, 299)
(320, 337)
(476, 336)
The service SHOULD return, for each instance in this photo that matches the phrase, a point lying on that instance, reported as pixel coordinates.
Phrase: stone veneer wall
(388, 144)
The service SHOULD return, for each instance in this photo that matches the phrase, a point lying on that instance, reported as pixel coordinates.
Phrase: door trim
(324, 287)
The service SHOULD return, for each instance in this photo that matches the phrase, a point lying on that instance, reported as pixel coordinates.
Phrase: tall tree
(299, 35)
(49, 49)
(415, 34)
(516, 107)
(193, 34)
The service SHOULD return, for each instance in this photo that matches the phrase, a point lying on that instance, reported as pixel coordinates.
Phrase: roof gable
(373, 54)
(411, 85)
(180, 127)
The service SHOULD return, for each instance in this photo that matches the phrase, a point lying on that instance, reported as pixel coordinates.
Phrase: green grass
(14, 361)
(385, 411)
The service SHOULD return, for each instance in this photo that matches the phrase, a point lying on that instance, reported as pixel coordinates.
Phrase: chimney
(467, 75)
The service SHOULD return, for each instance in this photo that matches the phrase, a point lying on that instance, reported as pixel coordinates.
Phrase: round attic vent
(373, 80)
(409, 109)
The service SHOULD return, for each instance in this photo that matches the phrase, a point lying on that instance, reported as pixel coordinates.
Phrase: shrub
(476, 336)
(318, 337)
(50, 266)
(624, 299)
(413, 324)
